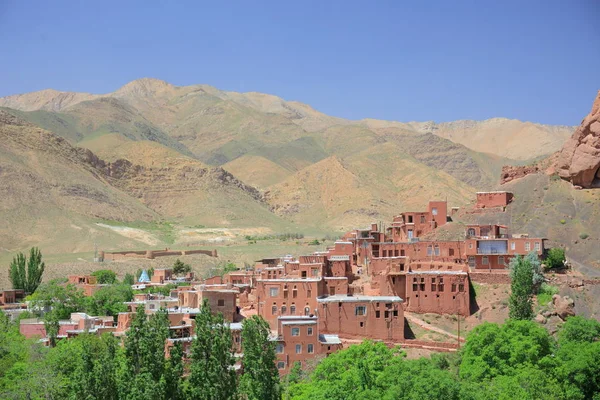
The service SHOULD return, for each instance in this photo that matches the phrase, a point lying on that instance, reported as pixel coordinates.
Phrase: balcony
(491, 251)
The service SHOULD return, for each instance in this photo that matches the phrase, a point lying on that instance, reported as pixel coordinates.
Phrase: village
(315, 304)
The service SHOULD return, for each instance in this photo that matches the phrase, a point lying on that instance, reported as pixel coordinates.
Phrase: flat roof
(289, 317)
(285, 323)
(359, 298)
(342, 242)
(329, 339)
(437, 272)
(290, 280)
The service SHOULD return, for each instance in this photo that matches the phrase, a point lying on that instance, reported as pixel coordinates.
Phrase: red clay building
(10, 298)
(375, 317)
(410, 225)
(493, 199)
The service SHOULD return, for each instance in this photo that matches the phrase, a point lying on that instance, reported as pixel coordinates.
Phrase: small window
(309, 331)
(453, 288)
(274, 292)
(362, 324)
(279, 348)
(471, 261)
(422, 219)
(485, 260)
(377, 314)
(434, 211)
(283, 310)
(513, 245)
(298, 349)
(293, 309)
(395, 313)
(295, 331)
(308, 293)
(436, 250)
(470, 245)
(501, 260)
(274, 310)
(402, 253)
(360, 310)
(527, 246)
(461, 287)
(220, 302)
(310, 348)
(429, 250)
(537, 246)
(451, 252)
(306, 310)
(280, 365)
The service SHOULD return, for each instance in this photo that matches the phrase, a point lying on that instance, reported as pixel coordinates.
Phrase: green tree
(492, 350)
(128, 279)
(174, 373)
(261, 378)
(109, 300)
(555, 258)
(520, 302)
(62, 300)
(145, 357)
(26, 273)
(212, 375)
(579, 330)
(105, 276)
(180, 268)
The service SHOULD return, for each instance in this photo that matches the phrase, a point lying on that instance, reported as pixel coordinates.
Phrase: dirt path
(411, 318)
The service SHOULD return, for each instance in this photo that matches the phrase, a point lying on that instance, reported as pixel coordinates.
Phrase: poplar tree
(212, 374)
(520, 303)
(260, 380)
(26, 273)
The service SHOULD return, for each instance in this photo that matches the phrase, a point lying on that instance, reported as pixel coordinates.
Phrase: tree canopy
(26, 273)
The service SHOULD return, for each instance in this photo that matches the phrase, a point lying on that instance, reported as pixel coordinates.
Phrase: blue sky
(397, 60)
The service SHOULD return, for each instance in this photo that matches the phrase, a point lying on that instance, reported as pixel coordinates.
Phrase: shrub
(179, 267)
(555, 258)
(314, 242)
(583, 236)
(104, 276)
(545, 294)
(562, 221)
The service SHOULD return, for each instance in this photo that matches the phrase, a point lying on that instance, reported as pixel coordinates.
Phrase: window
(410, 233)
(451, 252)
(441, 285)
(274, 292)
(377, 314)
(360, 310)
(306, 310)
(434, 211)
(453, 288)
(362, 324)
(283, 309)
(295, 331)
(309, 331)
(429, 250)
(402, 254)
(395, 313)
(298, 349)
(422, 219)
(470, 232)
(331, 290)
(501, 260)
(395, 253)
(461, 287)
(295, 292)
(315, 272)
(274, 309)
(537, 246)
(471, 261)
(310, 348)
(470, 245)
(309, 293)
(220, 302)
(415, 285)
(512, 245)
(422, 288)
(303, 274)
(279, 348)
(293, 309)
(280, 365)
(433, 285)
(527, 246)
(410, 219)
(485, 260)
(152, 306)
(436, 250)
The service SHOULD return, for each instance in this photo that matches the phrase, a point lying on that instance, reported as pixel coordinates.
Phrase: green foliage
(26, 273)
(180, 268)
(109, 300)
(165, 290)
(525, 274)
(105, 276)
(129, 279)
(62, 300)
(260, 380)
(314, 242)
(562, 221)
(583, 236)
(545, 294)
(555, 258)
(212, 376)
(279, 236)
(579, 330)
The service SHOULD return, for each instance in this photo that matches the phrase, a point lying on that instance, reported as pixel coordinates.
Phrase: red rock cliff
(579, 159)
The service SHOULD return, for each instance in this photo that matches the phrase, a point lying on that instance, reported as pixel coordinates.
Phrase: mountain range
(152, 154)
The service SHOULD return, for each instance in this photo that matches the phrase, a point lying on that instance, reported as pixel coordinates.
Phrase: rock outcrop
(511, 172)
(579, 159)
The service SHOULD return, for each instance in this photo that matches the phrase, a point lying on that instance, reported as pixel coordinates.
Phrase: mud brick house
(87, 283)
(358, 316)
(298, 340)
(492, 247)
(9, 299)
(410, 225)
(493, 199)
(77, 324)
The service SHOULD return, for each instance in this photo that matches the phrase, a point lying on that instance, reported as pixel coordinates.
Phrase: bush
(545, 294)
(562, 221)
(555, 258)
(314, 242)
(583, 236)
(179, 267)
(105, 276)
